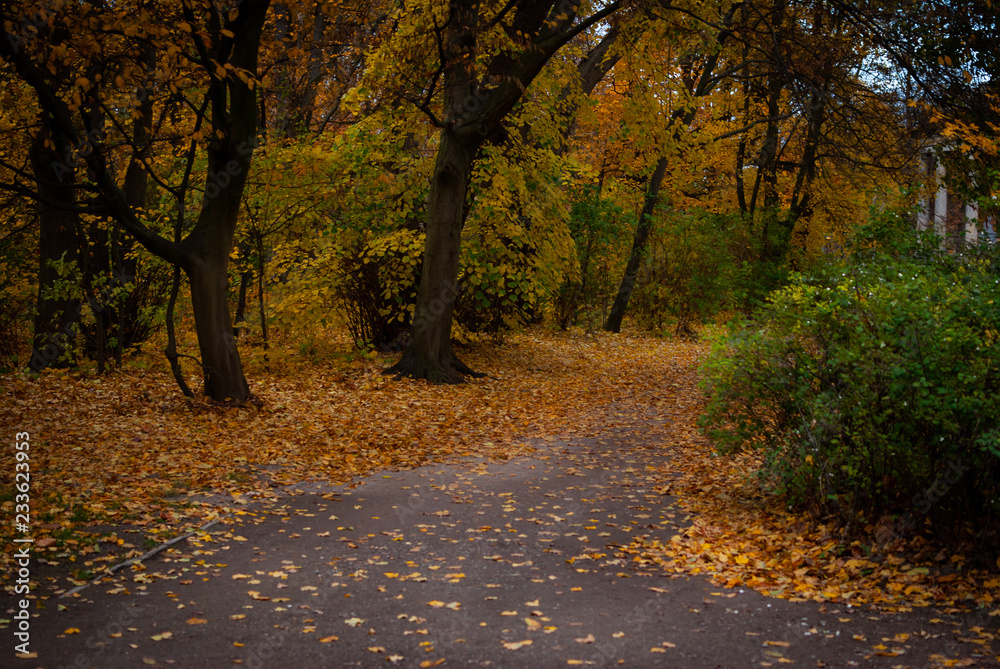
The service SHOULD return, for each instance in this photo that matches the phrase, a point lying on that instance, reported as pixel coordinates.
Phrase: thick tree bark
(206, 263)
(220, 359)
(429, 354)
(57, 318)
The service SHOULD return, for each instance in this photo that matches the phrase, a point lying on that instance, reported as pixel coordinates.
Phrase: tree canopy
(431, 172)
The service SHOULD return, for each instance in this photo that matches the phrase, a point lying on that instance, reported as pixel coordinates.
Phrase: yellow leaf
(514, 645)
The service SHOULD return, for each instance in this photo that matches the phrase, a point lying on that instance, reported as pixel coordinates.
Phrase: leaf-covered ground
(129, 449)
(122, 462)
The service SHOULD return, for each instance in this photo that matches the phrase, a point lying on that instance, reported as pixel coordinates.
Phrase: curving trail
(474, 563)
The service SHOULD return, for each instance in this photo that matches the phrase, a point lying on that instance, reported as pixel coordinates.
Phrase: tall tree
(57, 311)
(479, 86)
(695, 87)
(224, 39)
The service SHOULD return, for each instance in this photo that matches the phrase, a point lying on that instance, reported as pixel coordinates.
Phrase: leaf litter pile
(123, 462)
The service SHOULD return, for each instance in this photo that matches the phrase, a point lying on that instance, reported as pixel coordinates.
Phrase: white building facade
(955, 221)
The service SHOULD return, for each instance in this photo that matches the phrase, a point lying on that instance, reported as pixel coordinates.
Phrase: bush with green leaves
(686, 276)
(865, 385)
(598, 227)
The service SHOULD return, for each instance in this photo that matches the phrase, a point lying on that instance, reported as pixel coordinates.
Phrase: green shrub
(867, 385)
(600, 232)
(686, 276)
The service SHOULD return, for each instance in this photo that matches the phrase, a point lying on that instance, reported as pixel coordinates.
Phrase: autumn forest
(249, 243)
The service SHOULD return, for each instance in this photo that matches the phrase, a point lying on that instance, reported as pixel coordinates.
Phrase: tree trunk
(429, 354)
(241, 301)
(57, 313)
(645, 224)
(476, 102)
(220, 359)
(261, 268)
(207, 266)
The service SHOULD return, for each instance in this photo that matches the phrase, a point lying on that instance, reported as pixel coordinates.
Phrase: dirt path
(474, 564)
